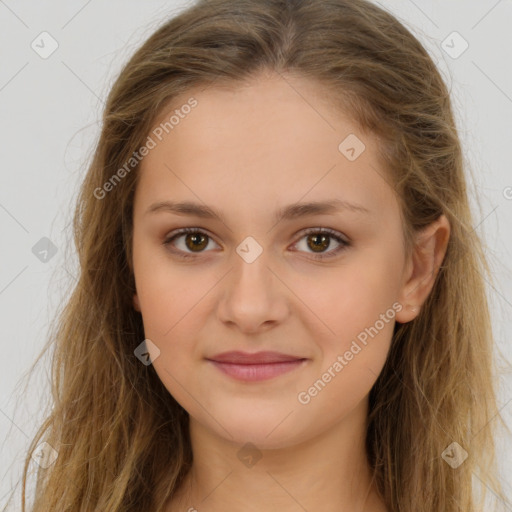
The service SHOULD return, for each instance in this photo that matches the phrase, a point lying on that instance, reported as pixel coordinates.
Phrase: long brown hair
(122, 440)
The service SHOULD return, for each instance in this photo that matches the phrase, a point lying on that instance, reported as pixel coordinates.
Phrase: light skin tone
(247, 152)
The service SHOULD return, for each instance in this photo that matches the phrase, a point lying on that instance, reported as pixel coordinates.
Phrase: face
(321, 284)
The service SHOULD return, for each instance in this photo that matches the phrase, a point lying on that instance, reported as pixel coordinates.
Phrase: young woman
(281, 301)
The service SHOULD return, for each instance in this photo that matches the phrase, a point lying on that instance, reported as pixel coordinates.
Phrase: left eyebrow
(290, 212)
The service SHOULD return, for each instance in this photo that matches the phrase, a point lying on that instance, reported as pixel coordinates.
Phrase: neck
(329, 472)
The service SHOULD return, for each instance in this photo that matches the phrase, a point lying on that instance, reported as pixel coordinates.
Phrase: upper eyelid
(184, 231)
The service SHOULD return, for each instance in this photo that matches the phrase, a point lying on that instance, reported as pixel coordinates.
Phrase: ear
(136, 303)
(422, 267)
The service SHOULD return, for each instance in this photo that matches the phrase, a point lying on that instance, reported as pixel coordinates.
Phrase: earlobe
(423, 266)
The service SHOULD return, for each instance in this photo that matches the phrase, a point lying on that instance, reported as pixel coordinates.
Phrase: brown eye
(196, 241)
(318, 242)
(188, 241)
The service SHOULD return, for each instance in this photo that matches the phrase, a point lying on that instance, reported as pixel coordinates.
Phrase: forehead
(270, 137)
(253, 111)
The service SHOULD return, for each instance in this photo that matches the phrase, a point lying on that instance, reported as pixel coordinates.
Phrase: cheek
(353, 296)
(173, 307)
(358, 306)
(175, 304)
(168, 292)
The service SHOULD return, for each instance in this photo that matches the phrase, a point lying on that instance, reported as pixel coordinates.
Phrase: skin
(248, 151)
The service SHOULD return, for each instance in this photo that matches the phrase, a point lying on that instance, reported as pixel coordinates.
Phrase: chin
(267, 431)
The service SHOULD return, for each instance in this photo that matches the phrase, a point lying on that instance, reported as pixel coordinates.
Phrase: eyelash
(344, 244)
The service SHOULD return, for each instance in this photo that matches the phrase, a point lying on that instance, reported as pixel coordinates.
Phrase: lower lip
(256, 372)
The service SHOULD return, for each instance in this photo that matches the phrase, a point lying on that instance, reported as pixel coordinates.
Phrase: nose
(253, 297)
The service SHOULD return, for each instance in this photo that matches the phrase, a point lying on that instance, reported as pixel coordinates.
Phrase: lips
(259, 366)
(237, 357)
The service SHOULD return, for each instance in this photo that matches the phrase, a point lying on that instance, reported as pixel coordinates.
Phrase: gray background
(49, 119)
